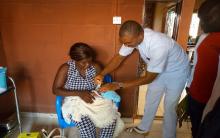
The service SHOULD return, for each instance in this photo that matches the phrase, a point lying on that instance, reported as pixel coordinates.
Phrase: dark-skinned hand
(109, 86)
(87, 96)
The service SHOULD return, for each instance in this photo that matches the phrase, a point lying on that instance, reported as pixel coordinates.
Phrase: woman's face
(84, 63)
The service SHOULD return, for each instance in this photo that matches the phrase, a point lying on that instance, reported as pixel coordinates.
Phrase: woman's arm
(59, 82)
(97, 67)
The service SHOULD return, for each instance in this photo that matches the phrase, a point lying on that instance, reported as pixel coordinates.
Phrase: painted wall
(37, 35)
(2, 53)
(7, 103)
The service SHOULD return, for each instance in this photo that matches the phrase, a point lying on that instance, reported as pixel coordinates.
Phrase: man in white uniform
(166, 73)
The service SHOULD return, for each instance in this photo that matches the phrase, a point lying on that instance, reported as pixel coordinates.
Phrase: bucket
(3, 83)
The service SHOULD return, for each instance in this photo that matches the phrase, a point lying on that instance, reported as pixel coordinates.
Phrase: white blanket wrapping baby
(102, 112)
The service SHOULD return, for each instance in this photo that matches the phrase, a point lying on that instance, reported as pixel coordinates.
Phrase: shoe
(137, 130)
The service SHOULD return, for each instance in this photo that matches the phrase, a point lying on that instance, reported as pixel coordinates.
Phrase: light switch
(116, 19)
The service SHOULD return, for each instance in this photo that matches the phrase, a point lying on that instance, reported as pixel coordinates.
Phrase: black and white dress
(76, 82)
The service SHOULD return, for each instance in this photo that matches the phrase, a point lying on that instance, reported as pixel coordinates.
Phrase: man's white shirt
(160, 53)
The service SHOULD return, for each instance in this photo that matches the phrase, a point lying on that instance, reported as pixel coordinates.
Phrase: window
(194, 26)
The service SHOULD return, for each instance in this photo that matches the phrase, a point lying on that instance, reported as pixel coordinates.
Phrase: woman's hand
(87, 96)
(109, 86)
(98, 79)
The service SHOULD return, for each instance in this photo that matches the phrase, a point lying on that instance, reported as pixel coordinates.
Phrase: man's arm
(148, 78)
(113, 64)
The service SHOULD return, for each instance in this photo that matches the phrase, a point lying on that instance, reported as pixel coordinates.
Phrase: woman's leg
(107, 132)
(86, 128)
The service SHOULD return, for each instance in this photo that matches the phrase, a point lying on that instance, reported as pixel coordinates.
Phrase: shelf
(10, 88)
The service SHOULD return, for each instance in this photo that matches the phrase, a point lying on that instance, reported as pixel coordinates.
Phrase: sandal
(137, 130)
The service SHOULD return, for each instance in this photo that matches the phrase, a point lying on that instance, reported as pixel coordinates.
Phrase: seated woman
(75, 81)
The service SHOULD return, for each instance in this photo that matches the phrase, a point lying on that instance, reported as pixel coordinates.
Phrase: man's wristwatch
(120, 84)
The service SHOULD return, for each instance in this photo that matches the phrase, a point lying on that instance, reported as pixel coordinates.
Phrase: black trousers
(210, 126)
(195, 111)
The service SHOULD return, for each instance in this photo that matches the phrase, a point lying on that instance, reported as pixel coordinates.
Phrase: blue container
(3, 83)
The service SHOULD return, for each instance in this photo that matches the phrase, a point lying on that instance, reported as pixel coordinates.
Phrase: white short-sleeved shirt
(201, 38)
(160, 53)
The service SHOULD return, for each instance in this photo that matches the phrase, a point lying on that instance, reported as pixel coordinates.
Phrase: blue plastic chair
(59, 99)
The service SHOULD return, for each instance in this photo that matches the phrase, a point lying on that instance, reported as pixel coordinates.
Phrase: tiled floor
(36, 124)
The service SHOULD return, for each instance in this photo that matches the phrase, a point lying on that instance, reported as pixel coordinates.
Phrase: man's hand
(87, 96)
(98, 79)
(109, 86)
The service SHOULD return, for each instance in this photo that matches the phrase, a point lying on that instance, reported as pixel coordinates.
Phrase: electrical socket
(116, 19)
